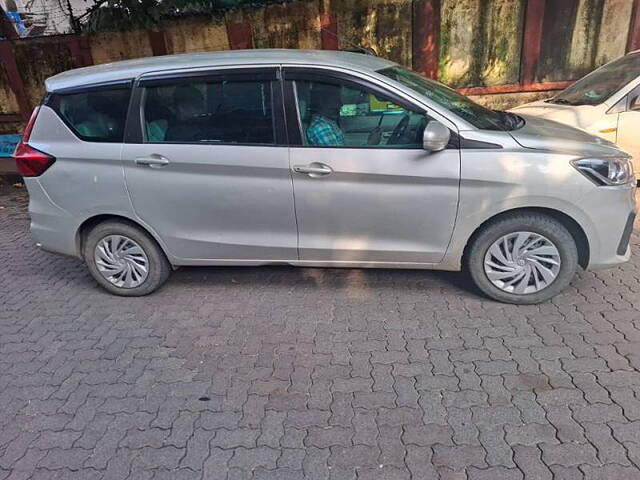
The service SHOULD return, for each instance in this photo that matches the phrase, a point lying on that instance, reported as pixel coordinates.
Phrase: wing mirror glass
(436, 136)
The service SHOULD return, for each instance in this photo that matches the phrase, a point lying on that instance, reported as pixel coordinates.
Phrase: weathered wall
(580, 35)
(614, 30)
(195, 36)
(8, 103)
(39, 59)
(290, 25)
(115, 46)
(505, 101)
(480, 42)
(384, 25)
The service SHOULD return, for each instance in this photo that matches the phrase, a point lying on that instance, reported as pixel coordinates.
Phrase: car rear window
(94, 115)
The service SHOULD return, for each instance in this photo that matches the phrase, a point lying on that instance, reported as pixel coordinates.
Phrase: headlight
(605, 171)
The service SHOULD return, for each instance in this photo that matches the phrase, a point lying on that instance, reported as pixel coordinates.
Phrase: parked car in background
(605, 103)
(314, 158)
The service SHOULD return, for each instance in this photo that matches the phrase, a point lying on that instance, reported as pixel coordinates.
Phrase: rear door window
(209, 111)
(94, 115)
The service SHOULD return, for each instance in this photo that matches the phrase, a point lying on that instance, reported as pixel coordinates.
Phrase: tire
(545, 232)
(133, 284)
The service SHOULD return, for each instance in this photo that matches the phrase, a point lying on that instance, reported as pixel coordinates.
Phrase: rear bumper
(52, 228)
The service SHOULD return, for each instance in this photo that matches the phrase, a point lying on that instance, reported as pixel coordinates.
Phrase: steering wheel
(400, 131)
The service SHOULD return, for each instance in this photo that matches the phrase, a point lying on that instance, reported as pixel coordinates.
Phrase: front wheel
(524, 258)
(124, 260)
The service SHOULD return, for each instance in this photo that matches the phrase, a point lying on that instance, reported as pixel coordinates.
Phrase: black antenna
(352, 46)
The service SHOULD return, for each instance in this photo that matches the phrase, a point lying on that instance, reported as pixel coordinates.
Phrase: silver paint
(240, 205)
(121, 261)
(522, 262)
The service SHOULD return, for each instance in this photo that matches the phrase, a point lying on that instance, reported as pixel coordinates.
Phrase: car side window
(97, 115)
(335, 115)
(209, 111)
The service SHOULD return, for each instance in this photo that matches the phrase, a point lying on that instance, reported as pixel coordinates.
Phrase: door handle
(152, 161)
(314, 170)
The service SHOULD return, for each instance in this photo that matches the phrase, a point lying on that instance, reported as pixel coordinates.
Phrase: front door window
(335, 115)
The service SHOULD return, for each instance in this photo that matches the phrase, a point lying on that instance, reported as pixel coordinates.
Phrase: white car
(605, 103)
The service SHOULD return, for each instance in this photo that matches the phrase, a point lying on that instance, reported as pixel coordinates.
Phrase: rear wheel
(523, 258)
(124, 260)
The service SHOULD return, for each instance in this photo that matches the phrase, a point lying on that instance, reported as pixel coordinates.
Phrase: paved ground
(282, 373)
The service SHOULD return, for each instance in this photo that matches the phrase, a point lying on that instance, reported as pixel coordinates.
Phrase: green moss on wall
(480, 41)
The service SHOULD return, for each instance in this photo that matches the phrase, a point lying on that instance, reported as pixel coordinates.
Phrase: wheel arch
(91, 222)
(574, 228)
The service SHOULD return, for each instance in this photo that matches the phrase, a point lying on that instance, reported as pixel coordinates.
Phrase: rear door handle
(314, 169)
(152, 161)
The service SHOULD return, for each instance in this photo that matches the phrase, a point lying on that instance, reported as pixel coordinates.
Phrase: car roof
(127, 69)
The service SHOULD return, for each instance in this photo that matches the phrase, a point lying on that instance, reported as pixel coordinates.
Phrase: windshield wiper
(562, 101)
(510, 121)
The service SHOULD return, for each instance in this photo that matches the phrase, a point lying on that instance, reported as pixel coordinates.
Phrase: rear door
(207, 165)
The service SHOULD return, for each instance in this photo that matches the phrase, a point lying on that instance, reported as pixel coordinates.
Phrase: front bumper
(613, 212)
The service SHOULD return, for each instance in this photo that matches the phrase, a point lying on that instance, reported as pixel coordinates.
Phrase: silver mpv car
(314, 158)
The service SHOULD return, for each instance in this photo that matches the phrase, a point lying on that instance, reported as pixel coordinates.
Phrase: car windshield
(477, 115)
(601, 84)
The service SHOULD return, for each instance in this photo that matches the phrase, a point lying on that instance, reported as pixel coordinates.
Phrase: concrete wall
(195, 36)
(580, 35)
(38, 59)
(115, 46)
(8, 102)
(480, 41)
(384, 25)
(505, 101)
(289, 25)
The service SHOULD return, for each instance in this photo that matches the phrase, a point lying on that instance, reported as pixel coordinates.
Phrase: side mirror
(436, 136)
(634, 104)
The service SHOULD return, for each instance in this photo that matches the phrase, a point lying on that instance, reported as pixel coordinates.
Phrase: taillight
(31, 162)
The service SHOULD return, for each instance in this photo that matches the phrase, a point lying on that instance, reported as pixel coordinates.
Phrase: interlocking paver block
(530, 434)
(529, 462)
(495, 473)
(307, 374)
(459, 457)
(569, 454)
(250, 459)
(327, 436)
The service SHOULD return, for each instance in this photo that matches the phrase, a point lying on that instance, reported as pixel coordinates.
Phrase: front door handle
(314, 169)
(152, 161)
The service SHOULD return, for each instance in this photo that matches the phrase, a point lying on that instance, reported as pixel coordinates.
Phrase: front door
(210, 173)
(365, 190)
